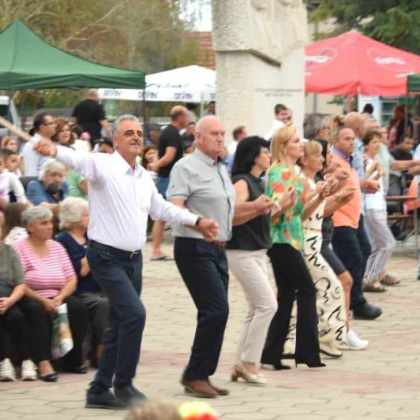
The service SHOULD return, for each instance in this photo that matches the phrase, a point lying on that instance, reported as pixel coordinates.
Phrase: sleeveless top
(253, 235)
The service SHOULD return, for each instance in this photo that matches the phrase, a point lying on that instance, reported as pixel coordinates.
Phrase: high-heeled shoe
(251, 378)
(51, 377)
(311, 364)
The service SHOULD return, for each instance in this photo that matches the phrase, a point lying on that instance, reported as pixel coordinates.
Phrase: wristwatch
(199, 219)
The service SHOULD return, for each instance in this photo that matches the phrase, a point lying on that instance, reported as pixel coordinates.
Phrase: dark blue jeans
(121, 280)
(204, 269)
(352, 246)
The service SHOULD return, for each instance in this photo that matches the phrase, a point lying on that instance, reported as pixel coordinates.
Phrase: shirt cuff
(190, 219)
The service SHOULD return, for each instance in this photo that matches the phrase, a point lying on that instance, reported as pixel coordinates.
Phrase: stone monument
(259, 48)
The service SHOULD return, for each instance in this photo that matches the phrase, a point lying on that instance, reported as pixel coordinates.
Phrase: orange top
(349, 214)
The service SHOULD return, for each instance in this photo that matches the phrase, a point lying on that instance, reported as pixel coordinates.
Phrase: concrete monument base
(248, 88)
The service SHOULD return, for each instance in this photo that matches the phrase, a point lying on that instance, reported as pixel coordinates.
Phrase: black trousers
(292, 280)
(40, 325)
(204, 269)
(14, 323)
(352, 246)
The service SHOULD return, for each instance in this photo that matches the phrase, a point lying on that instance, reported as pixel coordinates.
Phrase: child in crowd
(149, 155)
(11, 189)
(12, 162)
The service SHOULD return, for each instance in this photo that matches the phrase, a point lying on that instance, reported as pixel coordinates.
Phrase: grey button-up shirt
(207, 191)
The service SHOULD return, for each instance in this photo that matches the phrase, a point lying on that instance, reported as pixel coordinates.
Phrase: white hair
(51, 165)
(119, 120)
(35, 214)
(71, 212)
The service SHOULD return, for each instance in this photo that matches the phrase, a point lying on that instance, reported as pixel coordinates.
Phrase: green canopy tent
(413, 83)
(28, 62)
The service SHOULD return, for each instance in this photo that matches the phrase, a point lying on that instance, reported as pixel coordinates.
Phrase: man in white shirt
(121, 197)
(282, 116)
(44, 127)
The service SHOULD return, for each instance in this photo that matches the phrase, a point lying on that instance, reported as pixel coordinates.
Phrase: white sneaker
(7, 371)
(29, 371)
(354, 342)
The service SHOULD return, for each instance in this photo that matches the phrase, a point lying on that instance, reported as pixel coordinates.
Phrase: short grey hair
(71, 211)
(35, 214)
(119, 120)
(313, 123)
(51, 165)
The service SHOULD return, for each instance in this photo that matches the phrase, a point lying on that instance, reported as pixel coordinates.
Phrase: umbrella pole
(144, 106)
(406, 114)
(315, 103)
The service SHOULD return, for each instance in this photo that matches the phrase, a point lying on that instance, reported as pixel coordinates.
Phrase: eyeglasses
(48, 123)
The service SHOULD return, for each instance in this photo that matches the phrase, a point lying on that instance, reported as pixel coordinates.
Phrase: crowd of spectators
(44, 217)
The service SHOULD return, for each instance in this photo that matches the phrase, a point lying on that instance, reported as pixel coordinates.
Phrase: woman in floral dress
(291, 273)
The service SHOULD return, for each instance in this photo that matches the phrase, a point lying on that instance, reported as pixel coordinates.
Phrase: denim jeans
(353, 248)
(120, 280)
(162, 185)
(204, 269)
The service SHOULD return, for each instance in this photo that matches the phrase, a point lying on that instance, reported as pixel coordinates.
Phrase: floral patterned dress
(286, 228)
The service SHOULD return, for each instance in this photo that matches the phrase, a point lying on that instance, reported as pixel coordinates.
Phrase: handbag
(62, 340)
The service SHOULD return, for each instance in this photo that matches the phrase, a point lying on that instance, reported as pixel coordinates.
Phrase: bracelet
(199, 219)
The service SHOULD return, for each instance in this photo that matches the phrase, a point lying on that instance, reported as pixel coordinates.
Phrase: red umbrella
(353, 63)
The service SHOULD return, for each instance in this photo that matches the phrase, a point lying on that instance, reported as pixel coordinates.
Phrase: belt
(129, 255)
(219, 244)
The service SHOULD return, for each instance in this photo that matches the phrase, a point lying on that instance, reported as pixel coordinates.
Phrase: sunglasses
(48, 123)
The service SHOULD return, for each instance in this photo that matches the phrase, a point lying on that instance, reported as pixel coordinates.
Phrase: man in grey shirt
(201, 183)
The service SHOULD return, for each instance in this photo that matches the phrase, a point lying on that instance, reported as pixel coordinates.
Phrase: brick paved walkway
(380, 383)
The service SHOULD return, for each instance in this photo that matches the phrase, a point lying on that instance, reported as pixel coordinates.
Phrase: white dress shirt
(121, 199)
(32, 160)
(276, 126)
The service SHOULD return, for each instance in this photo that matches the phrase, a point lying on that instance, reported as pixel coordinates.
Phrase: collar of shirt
(207, 159)
(348, 159)
(123, 166)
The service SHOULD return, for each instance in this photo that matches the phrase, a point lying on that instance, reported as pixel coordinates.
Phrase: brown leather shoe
(220, 391)
(199, 388)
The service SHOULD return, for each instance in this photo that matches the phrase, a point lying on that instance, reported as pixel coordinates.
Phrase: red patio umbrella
(353, 63)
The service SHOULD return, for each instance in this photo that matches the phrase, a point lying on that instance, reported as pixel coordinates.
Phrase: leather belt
(219, 244)
(121, 253)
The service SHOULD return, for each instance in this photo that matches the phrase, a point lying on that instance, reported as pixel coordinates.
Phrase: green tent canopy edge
(28, 62)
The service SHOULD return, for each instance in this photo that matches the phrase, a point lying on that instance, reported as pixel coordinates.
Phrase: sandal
(374, 288)
(389, 280)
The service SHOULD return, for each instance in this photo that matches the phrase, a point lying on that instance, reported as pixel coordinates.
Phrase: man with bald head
(200, 181)
(170, 151)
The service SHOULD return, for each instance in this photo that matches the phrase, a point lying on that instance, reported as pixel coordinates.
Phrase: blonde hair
(309, 149)
(155, 410)
(280, 139)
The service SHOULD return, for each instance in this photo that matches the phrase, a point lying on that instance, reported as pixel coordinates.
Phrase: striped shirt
(45, 275)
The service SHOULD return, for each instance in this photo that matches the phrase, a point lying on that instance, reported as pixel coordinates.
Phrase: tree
(394, 22)
(147, 35)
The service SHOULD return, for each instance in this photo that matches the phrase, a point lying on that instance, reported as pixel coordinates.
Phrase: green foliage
(394, 22)
(147, 35)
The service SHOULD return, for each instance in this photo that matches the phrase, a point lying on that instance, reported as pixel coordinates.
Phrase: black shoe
(81, 370)
(51, 377)
(311, 365)
(367, 311)
(276, 366)
(129, 394)
(105, 400)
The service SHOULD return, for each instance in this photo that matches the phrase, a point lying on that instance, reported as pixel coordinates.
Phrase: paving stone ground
(380, 383)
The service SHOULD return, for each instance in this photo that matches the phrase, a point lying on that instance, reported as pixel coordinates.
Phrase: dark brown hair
(60, 124)
(144, 163)
(12, 217)
(370, 135)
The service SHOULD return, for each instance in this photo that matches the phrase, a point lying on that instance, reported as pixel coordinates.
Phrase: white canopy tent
(187, 84)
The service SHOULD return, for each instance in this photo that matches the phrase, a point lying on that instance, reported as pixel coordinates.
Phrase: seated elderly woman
(51, 280)
(50, 187)
(12, 316)
(74, 220)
